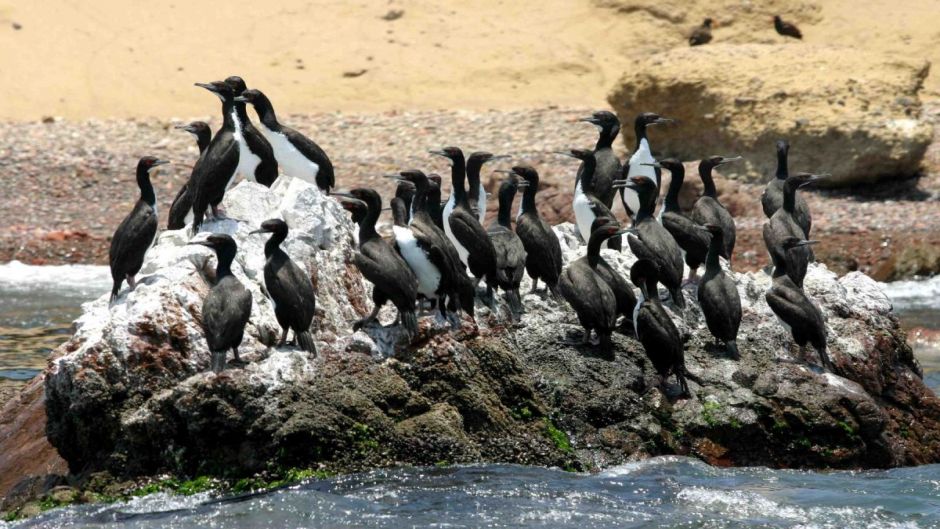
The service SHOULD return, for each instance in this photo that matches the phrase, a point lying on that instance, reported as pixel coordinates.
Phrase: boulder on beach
(131, 391)
(854, 115)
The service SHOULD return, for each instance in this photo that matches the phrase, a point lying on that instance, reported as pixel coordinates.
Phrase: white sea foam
(914, 294)
(16, 276)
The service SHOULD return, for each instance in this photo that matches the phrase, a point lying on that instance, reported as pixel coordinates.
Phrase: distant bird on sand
(701, 34)
(786, 29)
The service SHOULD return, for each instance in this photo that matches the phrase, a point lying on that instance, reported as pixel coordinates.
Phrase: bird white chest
(247, 161)
(636, 313)
(481, 204)
(642, 155)
(290, 160)
(461, 251)
(429, 277)
(583, 215)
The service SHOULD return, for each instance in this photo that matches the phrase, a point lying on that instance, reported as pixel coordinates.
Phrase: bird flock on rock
(439, 252)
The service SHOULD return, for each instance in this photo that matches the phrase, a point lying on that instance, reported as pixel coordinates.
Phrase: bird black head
(777, 19)
(528, 174)
(796, 242)
(277, 226)
(481, 157)
(638, 183)
(650, 118)
(578, 154)
(218, 242)
(248, 96)
(237, 83)
(352, 204)
(642, 271)
(149, 162)
(219, 88)
(707, 22)
(369, 196)
(602, 221)
(670, 164)
(715, 161)
(196, 128)
(804, 179)
(436, 178)
(783, 146)
(412, 175)
(603, 119)
(451, 153)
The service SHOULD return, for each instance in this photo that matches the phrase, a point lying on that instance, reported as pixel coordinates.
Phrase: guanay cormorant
(510, 253)
(136, 233)
(708, 210)
(654, 328)
(587, 205)
(718, 296)
(434, 207)
(289, 287)
(701, 34)
(692, 241)
(626, 299)
(216, 168)
(794, 308)
(181, 211)
(639, 162)
(433, 259)
(783, 224)
(772, 198)
(786, 28)
(297, 155)
(475, 192)
(652, 241)
(391, 277)
(468, 236)
(256, 161)
(543, 251)
(589, 294)
(607, 166)
(227, 307)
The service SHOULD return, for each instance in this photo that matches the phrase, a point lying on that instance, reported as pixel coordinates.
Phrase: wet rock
(130, 392)
(864, 136)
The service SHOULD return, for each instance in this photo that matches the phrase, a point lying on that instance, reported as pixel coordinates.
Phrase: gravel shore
(68, 184)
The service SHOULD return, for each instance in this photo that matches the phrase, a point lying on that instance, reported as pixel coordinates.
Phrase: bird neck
(594, 248)
(715, 246)
(420, 202)
(705, 172)
(399, 212)
(473, 179)
(203, 138)
(458, 174)
(228, 111)
(274, 243)
(605, 140)
(528, 199)
(789, 197)
(782, 170)
(367, 226)
(675, 185)
(647, 205)
(640, 129)
(432, 203)
(587, 177)
(241, 112)
(146, 188)
(503, 217)
(225, 257)
(265, 111)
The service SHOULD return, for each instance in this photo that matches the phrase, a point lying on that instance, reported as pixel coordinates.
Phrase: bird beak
(592, 120)
(208, 86)
(569, 154)
(654, 164)
(725, 160)
(506, 171)
(259, 230)
(662, 121)
(159, 162)
(241, 99)
(199, 243)
(624, 231)
(522, 183)
(183, 127)
(344, 196)
(500, 157)
(620, 184)
(807, 243)
(815, 179)
(439, 153)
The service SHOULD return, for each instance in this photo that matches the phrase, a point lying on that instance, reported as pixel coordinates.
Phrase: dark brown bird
(786, 29)
(701, 34)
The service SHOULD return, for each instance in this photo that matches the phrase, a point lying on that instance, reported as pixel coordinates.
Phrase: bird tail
(556, 294)
(733, 349)
(409, 320)
(606, 343)
(305, 340)
(515, 303)
(824, 358)
(467, 295)
(114, 290)
(677, 297)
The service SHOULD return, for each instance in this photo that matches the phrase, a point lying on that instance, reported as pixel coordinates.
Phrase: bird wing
(640, 249)
(133, 236)
(792, 306)
(226, 310)
(212, 171)
(381, 265)
(588, 294)
(690, 238)
(659, 336)
(312, 151)
(289, 285)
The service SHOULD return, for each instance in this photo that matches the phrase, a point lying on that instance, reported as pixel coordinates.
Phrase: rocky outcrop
(856, 116)
(131, 393)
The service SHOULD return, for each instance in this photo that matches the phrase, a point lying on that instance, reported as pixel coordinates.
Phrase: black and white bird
(589, 294)
(708, 210)
(655, 329)
(718, 296)
(639, 164)
(465, 231)
(650, 240)
(783, 224)
(787, 29)
(772, 198)
(476, 194)
(297, 155)
(543, 251)
(289, 287)
(216, 169)
(587, 205)
(510, 253)
(136, 233)
(181, 211)
(256, 161)
(391, 277)
(691, 240)
(701, 34)
(798, 314)
(227, 308)
(607, 166)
